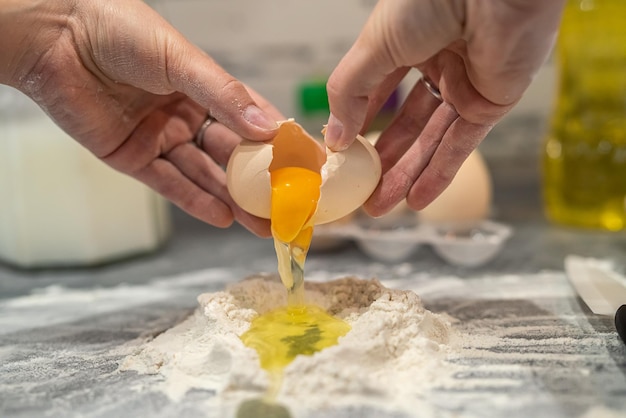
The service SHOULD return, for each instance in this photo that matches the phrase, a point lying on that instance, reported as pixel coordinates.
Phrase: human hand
(126, 85)
(482, 55)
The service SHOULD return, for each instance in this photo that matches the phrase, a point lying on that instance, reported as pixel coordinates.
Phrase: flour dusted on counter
(395, 352)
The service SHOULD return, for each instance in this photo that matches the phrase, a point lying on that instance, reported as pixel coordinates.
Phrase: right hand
(130, 88)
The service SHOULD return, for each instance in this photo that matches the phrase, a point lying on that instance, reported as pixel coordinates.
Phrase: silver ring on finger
(199, 138)
(432, 89)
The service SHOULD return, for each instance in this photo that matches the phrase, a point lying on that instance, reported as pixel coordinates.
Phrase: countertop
(60, 327)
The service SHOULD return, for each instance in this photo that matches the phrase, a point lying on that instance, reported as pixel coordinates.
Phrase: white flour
(394, 354)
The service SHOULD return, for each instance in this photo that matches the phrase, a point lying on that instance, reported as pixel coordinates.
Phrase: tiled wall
(272, 45)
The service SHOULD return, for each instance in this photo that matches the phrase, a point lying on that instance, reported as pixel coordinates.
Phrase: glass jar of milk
(59, 204)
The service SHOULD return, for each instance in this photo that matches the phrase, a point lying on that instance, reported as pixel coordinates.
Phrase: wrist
(28, 29)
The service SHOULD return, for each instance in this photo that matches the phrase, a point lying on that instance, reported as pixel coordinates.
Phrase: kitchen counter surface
(60, 328)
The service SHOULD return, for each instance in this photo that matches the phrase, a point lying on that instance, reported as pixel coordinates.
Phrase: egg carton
(468, 246)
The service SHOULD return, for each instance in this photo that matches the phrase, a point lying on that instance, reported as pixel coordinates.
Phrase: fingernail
(334, 129)
(255, 116)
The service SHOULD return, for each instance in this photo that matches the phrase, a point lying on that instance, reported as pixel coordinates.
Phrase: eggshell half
(348, 177)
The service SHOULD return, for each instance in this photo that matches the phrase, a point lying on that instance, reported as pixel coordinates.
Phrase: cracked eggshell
(348, 177)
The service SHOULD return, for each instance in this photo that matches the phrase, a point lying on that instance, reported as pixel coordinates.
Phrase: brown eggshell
(348, 177)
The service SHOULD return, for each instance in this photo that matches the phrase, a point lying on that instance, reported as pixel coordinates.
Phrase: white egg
(467, 200)
(348, 177)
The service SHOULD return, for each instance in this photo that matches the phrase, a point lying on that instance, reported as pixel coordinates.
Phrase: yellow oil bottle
(584, 158)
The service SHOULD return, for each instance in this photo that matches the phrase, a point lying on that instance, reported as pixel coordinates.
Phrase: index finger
(399, 33)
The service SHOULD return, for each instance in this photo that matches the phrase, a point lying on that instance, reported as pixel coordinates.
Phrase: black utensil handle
(620, 322)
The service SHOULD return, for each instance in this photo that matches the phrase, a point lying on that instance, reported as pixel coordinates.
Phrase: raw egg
(348, 177)
(467, 200)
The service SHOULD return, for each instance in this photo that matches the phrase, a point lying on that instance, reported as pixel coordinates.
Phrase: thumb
(157, 58)
(225, 98)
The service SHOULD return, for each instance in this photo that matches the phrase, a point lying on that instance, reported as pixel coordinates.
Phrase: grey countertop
(58, 360)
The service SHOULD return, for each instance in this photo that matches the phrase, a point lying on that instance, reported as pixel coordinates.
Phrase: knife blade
(599, 288)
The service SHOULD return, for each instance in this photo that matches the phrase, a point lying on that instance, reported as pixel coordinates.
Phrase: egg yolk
(295, 192)
(282, 334)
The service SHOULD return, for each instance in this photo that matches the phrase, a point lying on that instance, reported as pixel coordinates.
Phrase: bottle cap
(313, 97)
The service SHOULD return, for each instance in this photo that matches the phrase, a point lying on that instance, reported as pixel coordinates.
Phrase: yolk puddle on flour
(280, 335)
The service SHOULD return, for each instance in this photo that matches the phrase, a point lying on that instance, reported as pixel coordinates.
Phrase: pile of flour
(395, 352)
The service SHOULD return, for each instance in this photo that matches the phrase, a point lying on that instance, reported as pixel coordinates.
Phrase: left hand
(482, 55)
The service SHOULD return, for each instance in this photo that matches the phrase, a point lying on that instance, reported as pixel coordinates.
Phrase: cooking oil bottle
(584, 163)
